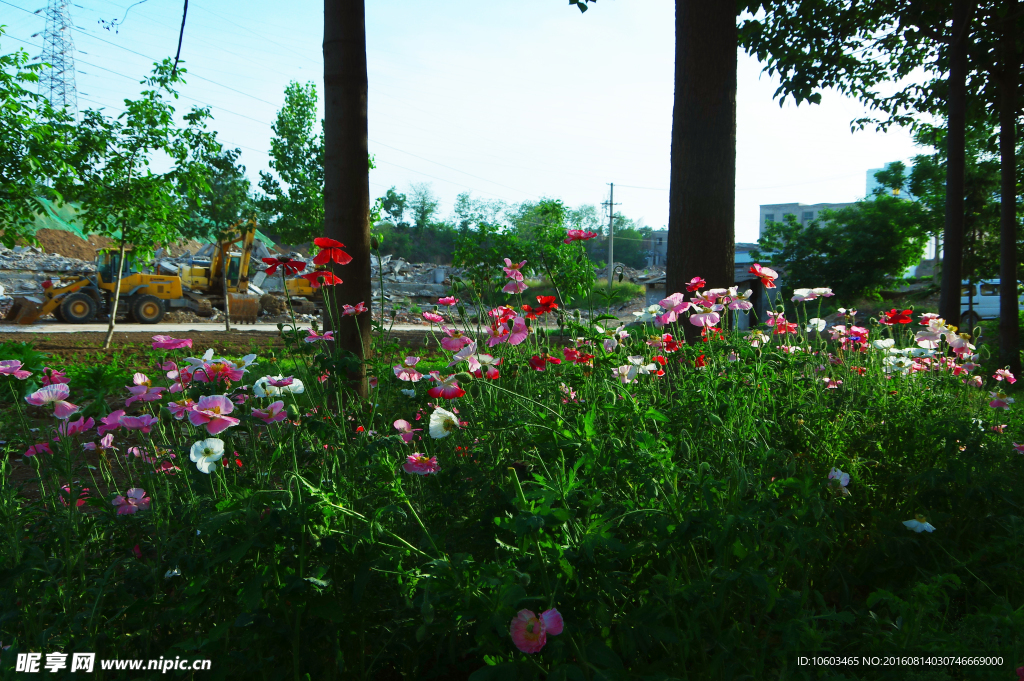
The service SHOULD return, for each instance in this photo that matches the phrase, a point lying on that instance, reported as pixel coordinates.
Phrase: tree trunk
(117, 293)
(1008, 81)
(346, 173)
(225, 262)
(702, 194)
(953, 232)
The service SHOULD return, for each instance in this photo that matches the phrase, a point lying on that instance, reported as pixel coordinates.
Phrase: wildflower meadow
(542, 494)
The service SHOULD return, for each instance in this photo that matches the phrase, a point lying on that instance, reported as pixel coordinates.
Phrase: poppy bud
(524, 579)
(463, 376)
(293, 411)
(475, 390)
(610, 396)
(374, 242)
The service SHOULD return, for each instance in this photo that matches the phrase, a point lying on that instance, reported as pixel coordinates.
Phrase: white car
(982, 302)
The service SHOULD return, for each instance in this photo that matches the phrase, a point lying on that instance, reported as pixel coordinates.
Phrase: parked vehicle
(981, 301)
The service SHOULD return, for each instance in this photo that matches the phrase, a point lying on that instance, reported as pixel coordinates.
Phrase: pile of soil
(71, 245)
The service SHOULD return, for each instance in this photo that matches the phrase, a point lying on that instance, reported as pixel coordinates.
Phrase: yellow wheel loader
(147, 297)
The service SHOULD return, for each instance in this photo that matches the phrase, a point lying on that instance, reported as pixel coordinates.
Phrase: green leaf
(656, 415)
(506, 671)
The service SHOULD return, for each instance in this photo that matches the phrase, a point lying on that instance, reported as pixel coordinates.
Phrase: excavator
(147, 297)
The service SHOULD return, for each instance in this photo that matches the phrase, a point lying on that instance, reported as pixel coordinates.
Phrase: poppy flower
(448, 300)
(530, 632)
(206, 453)
(442, 423)
(407, 371)
(578, 235)
(448, 388)
(330, 250)
(405, 429)
(695, 284)
(51, 376)
(512, 270)
(319, 277)
(1002, 374)
(919, 524)
(272, 414)
(55, 394)
(212, 411)
(135, 500)
(895, 316)
(420, 464)
(540, 362)
(766, 275)
(12, 367)
(291, 267)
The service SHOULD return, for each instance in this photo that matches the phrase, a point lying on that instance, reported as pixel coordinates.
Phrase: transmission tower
(57, 81)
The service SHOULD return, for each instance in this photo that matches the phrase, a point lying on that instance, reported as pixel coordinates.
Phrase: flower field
(607, 502)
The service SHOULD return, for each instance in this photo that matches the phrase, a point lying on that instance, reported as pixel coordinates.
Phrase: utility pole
(611, 238)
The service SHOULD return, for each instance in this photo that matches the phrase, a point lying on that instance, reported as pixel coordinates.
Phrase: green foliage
(858, 249)
(225, 200)
(34, 143)
(119, 193)
(294, 199)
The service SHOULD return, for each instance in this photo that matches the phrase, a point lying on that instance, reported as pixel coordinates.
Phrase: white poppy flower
(816, 324)
(206, 453)
(883, 343)
(919, 524)
(408, 393)
(443, 423)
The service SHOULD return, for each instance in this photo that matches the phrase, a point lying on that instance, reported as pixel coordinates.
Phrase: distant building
(873, 184)
(656, 246)
(803, 212)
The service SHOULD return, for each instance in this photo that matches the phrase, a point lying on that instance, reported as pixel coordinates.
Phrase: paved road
(154, 329)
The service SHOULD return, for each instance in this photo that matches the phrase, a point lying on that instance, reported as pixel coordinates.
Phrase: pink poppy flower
(135, 500)
(55, 394)
(448, 300)
(168, 343)
(51, 376)
(999, 429)
(406, 372)
(143, 390)
(514, 287)
(1005, 374)
(272, 414)
(38, 449)
(144, 422)
(419, 464)
(448, 388)
(313, 336)
(519, 331)
(578, 235)
(454, 340)
(66, 494)
(371, 381)
(167, 468)
(72, 428)
(1000, 400)
(674, 306)
(406, 429)
(347, 310)
(625, 373)
(512, 271)
(433, 317)
(12, 367)
(140, 453)
(110, 422)
(705, 318)
(211, 411)
(136, 551)
(1019, 448)
(281, 382)
(832, 383)
(484, 365)
(106, 442)
(530, 632)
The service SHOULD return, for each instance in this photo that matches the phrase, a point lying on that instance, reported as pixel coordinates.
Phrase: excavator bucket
(243, 309)
(24, 311)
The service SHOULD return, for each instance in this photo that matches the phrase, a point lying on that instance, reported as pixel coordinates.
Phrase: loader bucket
(243, 309)
(24, 311)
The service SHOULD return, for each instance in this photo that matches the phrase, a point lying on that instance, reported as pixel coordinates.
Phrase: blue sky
(507, 100)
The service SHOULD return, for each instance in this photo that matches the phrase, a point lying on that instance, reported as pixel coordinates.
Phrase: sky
(506, 100)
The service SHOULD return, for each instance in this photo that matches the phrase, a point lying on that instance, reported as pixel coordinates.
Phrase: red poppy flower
(291, 267)
(695, 284)
(895, 316)
(700, 362)
(321, 276)
(330, 250)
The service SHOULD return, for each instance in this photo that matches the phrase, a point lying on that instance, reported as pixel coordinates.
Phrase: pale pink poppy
(145, 422)
(454, 340)
(625, 373)
(180, 410)
(512, 271)
(1004, 374)
(832, 383)
(767, 276)
(464, 354)
(419, 464)
(313, 336)
(405, 429)
(110, 422)
(1019, 448)
(272, 414)
(530, 632)
(55, 394)
(143, 390)
(433, 317)
(448, 388)
(674, 306)
(12, 367)
(38, 449)
(1000, 400)
(135, 500)
(72, 428)
(211, 411)
(519, 331)
(448, 300)
(168, 343)
(51, 376)
(141, 453)
(705, 318)
(407, 372)
(975, 382)
(281, 382)
(514, 287)
(484, 365)
(106, 442)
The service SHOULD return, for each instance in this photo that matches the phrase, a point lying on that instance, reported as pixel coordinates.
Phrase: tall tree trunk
(702, 195)
(953, 233)
(117, 292)
(347, 173)
(1008, 81)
